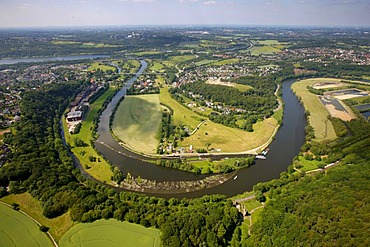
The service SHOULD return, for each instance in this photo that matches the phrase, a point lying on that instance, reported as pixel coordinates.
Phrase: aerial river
(283, 149)
(8, 61)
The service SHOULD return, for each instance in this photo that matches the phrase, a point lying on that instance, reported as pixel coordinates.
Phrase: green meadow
(99, 169)
(318, 118)
(110, 233)
(18, 230)
(58, 225)
(136, 122)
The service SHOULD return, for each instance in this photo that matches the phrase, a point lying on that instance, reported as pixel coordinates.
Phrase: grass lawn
(16, 229)
(256, 215)
(241, 87)
(308, 165)
(203, 165)
(137, 121)
(173, 60)
(99, 170)
(271, 42)
(156, 66)
(103, 67)
(251, 204)
(219, 136)
(318, 114)
(361, 100)
(58, 226)
(204, 109)
(278, 115)
(181, 114)
(229, 139)
(110, 233)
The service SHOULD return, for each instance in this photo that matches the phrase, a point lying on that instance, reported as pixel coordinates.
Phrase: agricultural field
(103, 67)
(318, 118)
(271, 42)
(173, 60)
(110, 233)
(267, 47)
(58, 226)
(99, 169)
(260, 50)
(204, 62)
(16, 229)
(136, 122)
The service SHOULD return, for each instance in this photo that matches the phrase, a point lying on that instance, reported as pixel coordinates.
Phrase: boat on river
(261, 157)
(265, 151)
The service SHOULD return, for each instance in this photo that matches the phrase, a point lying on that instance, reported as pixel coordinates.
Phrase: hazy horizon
(90, 13)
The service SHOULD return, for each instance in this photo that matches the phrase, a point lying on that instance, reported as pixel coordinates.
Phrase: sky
(45, 13)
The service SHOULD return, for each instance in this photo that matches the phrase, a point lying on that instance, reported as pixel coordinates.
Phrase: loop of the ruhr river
(285, 146)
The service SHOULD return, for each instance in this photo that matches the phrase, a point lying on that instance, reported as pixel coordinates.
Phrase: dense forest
(252, 105)
(330, 208)
(40, 164)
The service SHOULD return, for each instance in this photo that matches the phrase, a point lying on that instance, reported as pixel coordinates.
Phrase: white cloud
(143, 1)
(24, 6)
(211, 2)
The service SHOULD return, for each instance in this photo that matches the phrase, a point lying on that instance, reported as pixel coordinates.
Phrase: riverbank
(283, 148)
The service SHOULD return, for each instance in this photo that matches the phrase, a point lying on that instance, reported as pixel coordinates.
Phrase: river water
(283, 149)
(8, 61)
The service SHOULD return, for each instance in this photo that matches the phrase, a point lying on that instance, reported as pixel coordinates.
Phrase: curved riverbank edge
(290, 134)
(145, 156)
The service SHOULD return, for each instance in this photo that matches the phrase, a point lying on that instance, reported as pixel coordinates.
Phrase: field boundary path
(250, 218)
(196, 128)
(38, 223)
